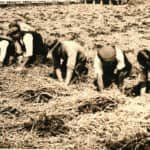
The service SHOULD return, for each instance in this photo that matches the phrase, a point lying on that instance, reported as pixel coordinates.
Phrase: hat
(107, 53)
(14, 29)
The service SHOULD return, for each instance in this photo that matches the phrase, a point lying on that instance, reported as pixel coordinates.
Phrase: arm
(58, 74)
(120, 59)
(99, 73)
(3, 50)
(57, 68)
(70, 66)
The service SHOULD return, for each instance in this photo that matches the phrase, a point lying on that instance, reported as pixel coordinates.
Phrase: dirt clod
(4, 145)
(47, 125)
(10, 111)
(37, 96)
(100, 104)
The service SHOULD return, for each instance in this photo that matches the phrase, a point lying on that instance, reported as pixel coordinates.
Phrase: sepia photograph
(75, 74)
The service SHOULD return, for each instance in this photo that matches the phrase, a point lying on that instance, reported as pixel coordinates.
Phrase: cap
(14, 29)
(107, 53)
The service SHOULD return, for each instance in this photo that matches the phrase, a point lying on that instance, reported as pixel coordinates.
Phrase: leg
(106, 2)
(64, 68)
(121, 75)
(80, 67)
(24, 62)
(148, 87)
(107, 79)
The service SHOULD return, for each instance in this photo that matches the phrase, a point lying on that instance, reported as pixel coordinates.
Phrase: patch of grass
(136, 142)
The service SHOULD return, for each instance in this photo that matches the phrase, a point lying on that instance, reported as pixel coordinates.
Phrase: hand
(64, 85)
(1, 64)
(20, 59)
(18, 69)
(115, 71)
(61, 80)
(122, 89)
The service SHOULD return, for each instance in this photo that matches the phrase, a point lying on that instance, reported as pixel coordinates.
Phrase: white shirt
(28, 42)
(120, 59)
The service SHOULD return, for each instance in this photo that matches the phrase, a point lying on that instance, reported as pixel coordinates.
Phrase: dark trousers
(108, 72)
(109, 76)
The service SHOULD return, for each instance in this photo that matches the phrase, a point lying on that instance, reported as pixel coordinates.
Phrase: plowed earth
(36, 111)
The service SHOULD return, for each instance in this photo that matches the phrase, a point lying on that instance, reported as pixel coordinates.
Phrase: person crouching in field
(7, 51)
(111, 64)
(143, 86)
(69, 60)
(28, 43)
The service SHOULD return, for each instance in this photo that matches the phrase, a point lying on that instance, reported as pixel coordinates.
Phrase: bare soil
(36, 111)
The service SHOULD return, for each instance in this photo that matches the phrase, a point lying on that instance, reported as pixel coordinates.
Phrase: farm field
(37, 111)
